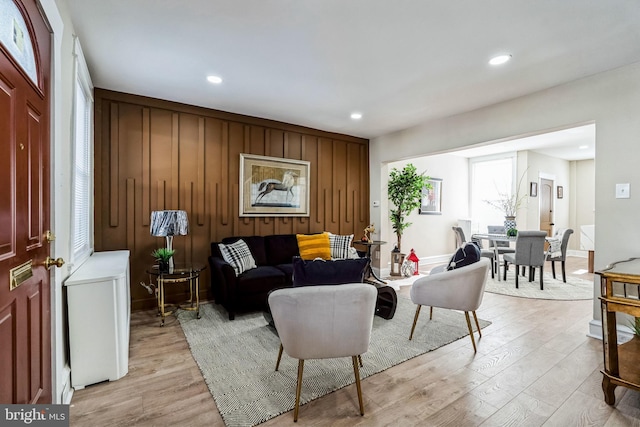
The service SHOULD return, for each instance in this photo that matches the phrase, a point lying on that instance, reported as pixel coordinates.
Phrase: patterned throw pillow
(340, 245)
(238, 255)
(314, 246)
(464, 255)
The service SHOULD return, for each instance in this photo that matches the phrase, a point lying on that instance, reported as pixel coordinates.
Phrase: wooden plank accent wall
(152, 154)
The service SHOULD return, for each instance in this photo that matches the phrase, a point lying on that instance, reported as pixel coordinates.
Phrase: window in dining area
(490, 177)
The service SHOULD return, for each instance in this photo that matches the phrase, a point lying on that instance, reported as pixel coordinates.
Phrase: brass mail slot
(20, 274)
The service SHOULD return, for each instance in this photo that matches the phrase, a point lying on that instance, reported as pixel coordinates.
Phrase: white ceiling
(576, 143)
(313, 62)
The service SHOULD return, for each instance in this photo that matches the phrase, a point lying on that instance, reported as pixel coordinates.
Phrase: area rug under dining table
(237, 358)
(554, 289)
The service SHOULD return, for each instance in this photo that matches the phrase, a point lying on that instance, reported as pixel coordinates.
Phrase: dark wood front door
(25, 324)
(546, 206)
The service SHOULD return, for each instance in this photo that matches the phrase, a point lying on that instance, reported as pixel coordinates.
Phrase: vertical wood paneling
(224, 166)
(275, 140)
(131, 213)
(114, 190)
(174, 197)
(146, 167)
(161, 195)
(364, 186)
(319, 189)
(155, 158)
(199, 195)
(189, 205)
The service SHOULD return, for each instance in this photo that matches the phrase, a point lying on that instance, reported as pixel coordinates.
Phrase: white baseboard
(67, 390)
(437, 259)
(424, 261)
(595, 331)
(577, 253)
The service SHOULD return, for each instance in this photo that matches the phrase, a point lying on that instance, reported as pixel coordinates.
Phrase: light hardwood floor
(535, 366)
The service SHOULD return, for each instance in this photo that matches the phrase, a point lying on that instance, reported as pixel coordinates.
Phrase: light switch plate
(622, 191)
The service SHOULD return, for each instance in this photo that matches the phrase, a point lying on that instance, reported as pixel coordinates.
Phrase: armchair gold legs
(415, 320)
(466, 314)
(357, 362)
(298, 390)
(356, 373)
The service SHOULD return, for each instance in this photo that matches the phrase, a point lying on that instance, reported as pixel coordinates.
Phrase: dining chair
(503, 247)
(485, 253)
(324, 322)
(564, 235)
(529, 252)
(458, 289)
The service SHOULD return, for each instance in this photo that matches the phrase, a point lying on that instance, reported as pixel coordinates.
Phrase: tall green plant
(405, 192)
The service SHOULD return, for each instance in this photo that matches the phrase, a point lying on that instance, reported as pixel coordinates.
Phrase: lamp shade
(169, 223)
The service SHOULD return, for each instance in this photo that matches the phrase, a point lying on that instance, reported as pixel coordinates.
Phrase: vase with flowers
(508, 204)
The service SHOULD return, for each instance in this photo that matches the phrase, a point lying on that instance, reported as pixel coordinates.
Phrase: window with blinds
(81, 226)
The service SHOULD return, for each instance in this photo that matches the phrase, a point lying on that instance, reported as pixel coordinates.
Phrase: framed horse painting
(271, 186)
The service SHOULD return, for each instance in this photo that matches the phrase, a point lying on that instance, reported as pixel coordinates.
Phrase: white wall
(430, 235)
(611, 100)
(583, 198)
(541, 166)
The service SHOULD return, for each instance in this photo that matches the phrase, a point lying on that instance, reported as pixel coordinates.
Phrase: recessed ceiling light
(500, 59)
(583, 147)
(356, 116)
(214, 79)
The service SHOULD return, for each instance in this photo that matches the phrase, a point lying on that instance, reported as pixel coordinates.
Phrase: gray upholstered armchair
(459, 289)
(322, 322)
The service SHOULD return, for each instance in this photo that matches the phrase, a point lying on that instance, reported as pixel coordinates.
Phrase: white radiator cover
(99, 305)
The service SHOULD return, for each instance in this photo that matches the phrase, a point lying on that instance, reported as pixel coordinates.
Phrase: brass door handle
(50, 262)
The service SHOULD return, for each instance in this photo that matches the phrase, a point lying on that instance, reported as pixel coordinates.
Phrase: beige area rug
(554, 289)
(396, 281)
(237, 358)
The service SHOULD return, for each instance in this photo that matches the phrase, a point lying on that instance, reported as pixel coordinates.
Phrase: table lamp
(168, 224)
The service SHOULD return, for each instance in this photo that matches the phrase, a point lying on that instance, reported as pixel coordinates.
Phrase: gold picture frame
(272, 186)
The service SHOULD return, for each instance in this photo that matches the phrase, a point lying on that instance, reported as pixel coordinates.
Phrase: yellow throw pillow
(314, 246)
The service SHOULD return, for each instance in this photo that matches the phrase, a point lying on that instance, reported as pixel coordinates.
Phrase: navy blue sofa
(248, 291)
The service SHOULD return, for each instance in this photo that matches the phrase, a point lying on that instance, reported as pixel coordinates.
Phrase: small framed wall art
(533, 189)
(432, 198)
(560, 191)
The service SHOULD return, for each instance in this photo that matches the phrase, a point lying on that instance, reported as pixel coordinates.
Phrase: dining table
(555, 245)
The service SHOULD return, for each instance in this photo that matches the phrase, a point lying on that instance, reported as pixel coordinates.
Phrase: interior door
(25, 331)
(546, 206)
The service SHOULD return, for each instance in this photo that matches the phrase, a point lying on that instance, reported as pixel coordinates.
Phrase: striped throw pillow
(238, 255)
(314, 246)
(340, 245)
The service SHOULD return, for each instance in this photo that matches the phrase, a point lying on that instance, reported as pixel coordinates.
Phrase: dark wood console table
(620, 290)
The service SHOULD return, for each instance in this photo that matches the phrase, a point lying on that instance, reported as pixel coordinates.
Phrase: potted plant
(635, 327)
(163, 255)
(405, 193)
